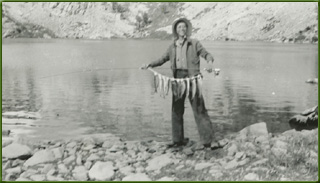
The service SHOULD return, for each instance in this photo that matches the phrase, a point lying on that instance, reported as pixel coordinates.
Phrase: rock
(88, 165)
(251, 177)
(300, 122)
(10, 177)
(255, 130)
(243, 162)
(126, 170)
(79, 159)
(239, 155)
(179, 167)
(102, 171)
(216, 173)
(22, 179)
(46, 168)
(232, 150)
(15, 150)
(278, 152)
(51, 172)
(80, 173)
(88, 147)
(140, 169)
(17, 162)
(93, 157)
(54, 178)
(63, 169)
(38, 177)
(159, 162)
(6, 142)
(166, 179)
(137, 177)
(28, 173)
(188, 151)
(260, 162)
(7, 165)
(232, 164)
(201, 166)
(58, 152)
(71, 145)
(69, 160)
(312, 81)
(16, 170)
(42, 156)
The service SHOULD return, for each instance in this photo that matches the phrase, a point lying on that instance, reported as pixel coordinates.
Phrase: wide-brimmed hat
(175, 23)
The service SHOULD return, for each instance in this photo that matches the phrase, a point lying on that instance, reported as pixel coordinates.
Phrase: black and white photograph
(160, 91)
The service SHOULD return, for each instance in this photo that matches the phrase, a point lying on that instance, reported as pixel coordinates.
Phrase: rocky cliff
(267, 21)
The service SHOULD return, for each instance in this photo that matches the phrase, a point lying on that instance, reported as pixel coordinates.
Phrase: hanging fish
(168, 85)
(199, 82)
(183, 88)
(174, 88)
(160, 84)
(156, 83)
(194, 87)
(188, 87)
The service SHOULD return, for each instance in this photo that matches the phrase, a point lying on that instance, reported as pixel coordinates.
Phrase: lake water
(84, 86)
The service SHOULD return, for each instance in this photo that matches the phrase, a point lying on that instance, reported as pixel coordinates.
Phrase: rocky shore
(252, 154)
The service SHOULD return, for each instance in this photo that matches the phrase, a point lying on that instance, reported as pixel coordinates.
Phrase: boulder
(80, 173)
(255, 130)
(159, 162)
(102, 171)
(43, 156)
(137, 177)
(15, 150)
(306, 120)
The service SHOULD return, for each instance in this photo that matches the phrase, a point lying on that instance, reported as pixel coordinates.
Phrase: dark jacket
(194, 51)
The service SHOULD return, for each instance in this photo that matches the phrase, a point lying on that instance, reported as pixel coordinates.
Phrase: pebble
(93, 157)
(201, 166)
(80, 173)
(251, 177)
(102, 171)
(69, 160)
(16, 170)
(42, 156)
(38, 177)
(137, 177)
(166, 179)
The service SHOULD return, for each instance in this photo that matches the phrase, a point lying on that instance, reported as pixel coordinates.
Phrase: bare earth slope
(267, 21)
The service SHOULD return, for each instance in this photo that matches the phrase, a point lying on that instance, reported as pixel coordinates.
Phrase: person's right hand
(145, 66)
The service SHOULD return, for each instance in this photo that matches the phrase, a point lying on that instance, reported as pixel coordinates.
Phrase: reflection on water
(96, 86)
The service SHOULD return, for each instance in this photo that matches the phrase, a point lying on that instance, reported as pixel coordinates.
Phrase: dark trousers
(199, 111)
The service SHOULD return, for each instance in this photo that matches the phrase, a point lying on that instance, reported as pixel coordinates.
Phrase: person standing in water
(184, 54)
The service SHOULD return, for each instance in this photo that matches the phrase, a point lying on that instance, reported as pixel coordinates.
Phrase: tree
(145, 17)
(139, 20)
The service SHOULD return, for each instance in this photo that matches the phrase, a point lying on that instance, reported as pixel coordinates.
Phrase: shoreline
(160, 39)
(251, 154)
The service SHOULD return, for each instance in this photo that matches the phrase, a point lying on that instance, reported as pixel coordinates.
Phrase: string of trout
(95, 70)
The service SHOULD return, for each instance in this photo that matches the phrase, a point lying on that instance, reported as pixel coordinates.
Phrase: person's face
(181, 29)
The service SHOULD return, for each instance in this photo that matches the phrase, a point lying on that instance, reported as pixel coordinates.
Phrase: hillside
(241, 21)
